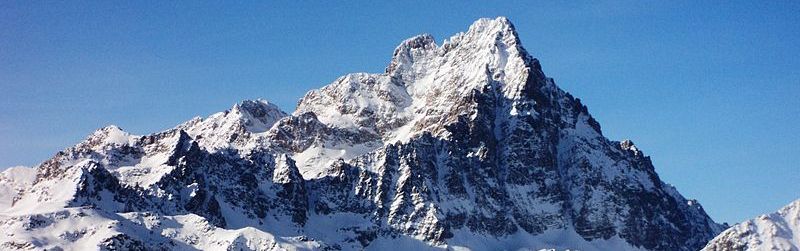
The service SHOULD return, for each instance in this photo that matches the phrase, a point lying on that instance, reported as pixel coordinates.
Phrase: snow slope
(89, 229)
(13, 181)
(775, 231)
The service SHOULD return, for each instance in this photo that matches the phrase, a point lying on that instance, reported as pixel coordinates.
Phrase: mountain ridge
(468, 144)
(779, 230)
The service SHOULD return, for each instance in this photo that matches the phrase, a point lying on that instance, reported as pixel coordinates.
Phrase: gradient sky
(711, 91)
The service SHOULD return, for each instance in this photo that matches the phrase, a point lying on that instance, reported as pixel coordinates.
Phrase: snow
(50, 196)
(142, 175)
(149, 169)
(419, 91)
(71, 229)
(19, 174)
(561, 239)
(84, 229)
(428, 76)
(314, 162)
(250, 119)
(775, 231)
(116, 136)
(334, 228)
(425, 88)
(12, 182)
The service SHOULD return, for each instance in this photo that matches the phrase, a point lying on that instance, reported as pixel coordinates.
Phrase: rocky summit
(466, 145)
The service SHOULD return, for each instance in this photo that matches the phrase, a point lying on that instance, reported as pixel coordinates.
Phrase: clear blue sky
(710, 90)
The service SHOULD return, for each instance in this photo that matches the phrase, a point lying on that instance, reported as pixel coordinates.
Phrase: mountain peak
(485, 33)
(467, 144)
(497, 30)
(110, 128)
(498, 23)
(775, 231)
(251, 104)
(257, 115)
(409, 49)
(234, 126)
(422, 41)
(258, 108)
(109, 135)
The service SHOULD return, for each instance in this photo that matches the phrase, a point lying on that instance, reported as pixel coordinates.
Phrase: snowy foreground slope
(775, 231)
(465, 145)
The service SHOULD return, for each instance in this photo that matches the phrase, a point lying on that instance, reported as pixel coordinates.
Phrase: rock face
(775, 231)
(461, 145)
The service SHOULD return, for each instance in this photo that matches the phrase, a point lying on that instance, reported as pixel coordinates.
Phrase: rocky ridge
(465, 144)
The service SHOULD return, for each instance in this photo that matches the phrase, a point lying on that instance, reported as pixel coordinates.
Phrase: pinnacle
(424, 41)
(628, 145)
(488, 22)
(258, 108)
(403, 53)
(248, 104)
(110, 128)
(492, 26)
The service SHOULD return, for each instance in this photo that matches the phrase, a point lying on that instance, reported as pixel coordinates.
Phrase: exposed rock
(467, 144)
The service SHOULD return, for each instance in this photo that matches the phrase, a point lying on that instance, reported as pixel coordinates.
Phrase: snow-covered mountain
(464, 145)
(775, 231)
(13, 182)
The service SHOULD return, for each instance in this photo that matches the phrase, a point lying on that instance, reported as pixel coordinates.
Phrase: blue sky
(710, 90)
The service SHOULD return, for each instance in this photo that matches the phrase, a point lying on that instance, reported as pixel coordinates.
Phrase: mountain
(464, 145)
(776, 231)
(13, 182)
